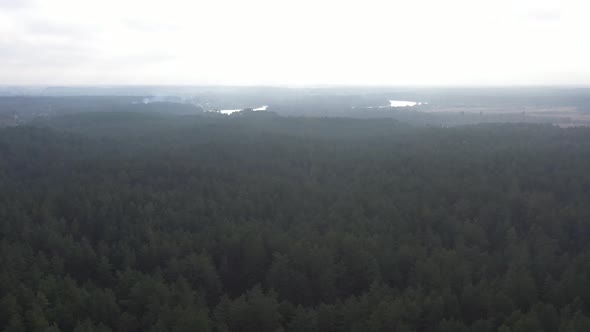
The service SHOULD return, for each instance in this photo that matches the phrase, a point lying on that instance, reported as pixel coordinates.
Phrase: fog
(293, 43)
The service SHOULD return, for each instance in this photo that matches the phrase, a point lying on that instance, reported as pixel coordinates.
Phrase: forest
(127, 221)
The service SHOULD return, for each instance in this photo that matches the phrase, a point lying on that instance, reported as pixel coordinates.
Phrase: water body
(228, 112)
(404, 103)
(398, 103)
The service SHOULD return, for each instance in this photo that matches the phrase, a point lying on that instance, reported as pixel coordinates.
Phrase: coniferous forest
(146, 222)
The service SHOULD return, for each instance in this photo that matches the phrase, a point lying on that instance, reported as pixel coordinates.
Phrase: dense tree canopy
(124, 222)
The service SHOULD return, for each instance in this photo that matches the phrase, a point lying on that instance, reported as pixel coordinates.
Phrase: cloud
(15, 4)
(39, 27)
(544, 15)
(150, 26)
(293, 42)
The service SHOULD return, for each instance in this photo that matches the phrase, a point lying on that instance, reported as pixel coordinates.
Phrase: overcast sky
(295, 42)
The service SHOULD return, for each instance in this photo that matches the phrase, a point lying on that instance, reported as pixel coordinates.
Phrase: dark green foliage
(152, 223)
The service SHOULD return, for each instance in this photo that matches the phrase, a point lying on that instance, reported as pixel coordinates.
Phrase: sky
(295, 42)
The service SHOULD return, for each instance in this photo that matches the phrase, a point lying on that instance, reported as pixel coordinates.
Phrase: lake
(228, 112)
(404, 103)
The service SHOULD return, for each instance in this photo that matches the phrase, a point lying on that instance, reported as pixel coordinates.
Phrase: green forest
(118, 221)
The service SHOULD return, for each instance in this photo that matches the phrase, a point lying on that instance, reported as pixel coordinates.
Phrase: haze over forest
(294, 166)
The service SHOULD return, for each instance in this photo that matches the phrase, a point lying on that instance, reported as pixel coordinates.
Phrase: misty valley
(565, 107)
